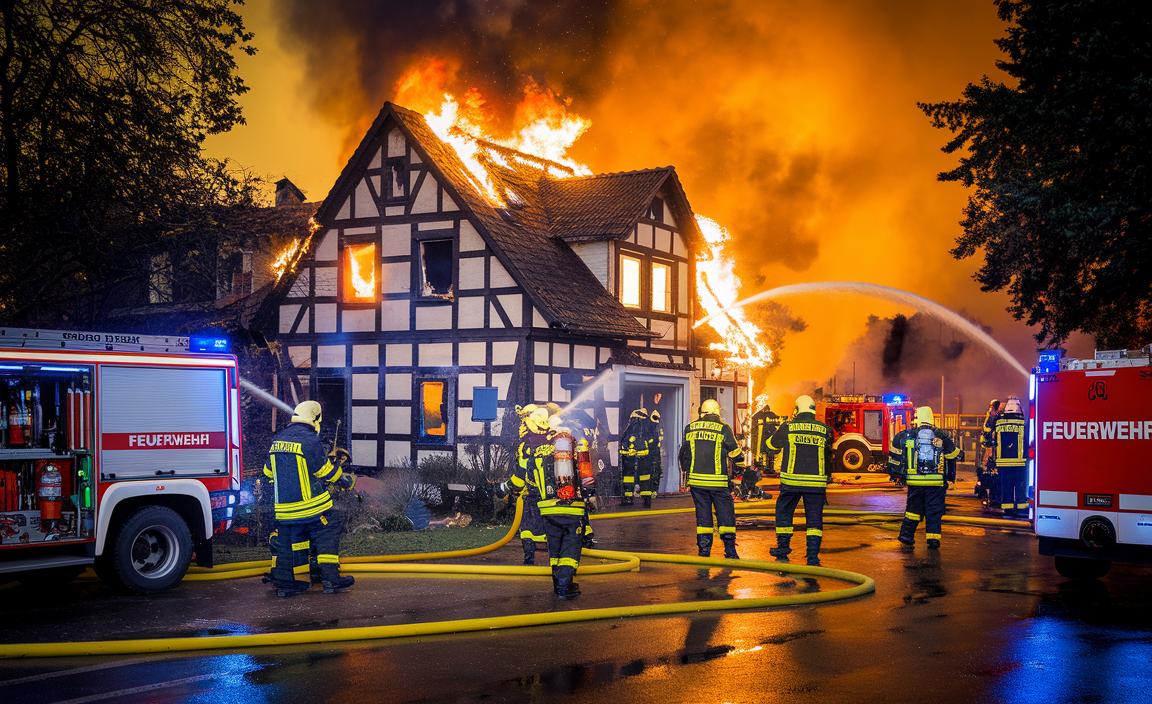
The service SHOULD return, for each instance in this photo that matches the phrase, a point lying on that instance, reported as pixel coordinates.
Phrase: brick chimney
(287, 193)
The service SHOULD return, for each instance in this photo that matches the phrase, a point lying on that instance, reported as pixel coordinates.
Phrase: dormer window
(631, 285)
(656, 210)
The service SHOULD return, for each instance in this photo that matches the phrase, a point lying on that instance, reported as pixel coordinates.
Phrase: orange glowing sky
(793, 124)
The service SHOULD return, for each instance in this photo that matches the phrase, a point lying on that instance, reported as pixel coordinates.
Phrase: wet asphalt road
(984, 619)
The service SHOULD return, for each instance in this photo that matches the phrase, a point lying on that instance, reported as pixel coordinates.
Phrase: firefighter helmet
(710, 408)
(538, 420)
(525, 411)
(994, 404)
(307, 412)
(640, 413)
(805, 404)
(924, 415)
(1012, 405)
(654, 416)
(762, 403)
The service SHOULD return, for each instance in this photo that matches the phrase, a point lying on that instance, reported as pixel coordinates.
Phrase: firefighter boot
(648, 501)
(331, 586)
(529, 551)
(933, 544)
(730, 548)
(704, 544)
(289, 590)
(782, 549)
(814, 550)
(907, 533)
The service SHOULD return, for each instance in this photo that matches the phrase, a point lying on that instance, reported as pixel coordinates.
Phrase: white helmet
(538, 420)
(307, 412)
(1013, 405)
(710, 408)
(805, 404)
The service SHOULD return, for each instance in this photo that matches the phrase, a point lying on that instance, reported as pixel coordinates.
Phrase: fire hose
(627, 561)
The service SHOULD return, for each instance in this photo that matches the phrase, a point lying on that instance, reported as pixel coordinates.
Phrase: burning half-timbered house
(422, 282)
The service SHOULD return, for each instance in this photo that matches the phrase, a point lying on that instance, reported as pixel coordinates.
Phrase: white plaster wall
(433, 317)
(678, 247)
(345, 210)
(426, 199)
(396, 143)
(465, 425)
(540, 354)
(330, 356)
(363, 452)
(438, 354)
(396, 451)
(682, 273)
(394, 315)
(437, 225)
(365, 355)
(396, 277)
(365, 205)
(538, 319)
(364, 419)
(471, 313)
(300, 285)
(560, 355)
(605, 354)
(541, 389)
(559, 393)
(398, 355)
(398, 419)
(494, 320)
(644, 235)
(470, 240)
(366, 386)
(288, 315)
(663, 328)
(449, 204)
(395, 240)
(473, 354)
(300, 356)
(663, 240)
(358, 320)
(325, 317)
(376, 161)
(668, 219)
(583, 357)
(596, 257)
(500, 276)
(398, 387)
(501, 382)
(326, 281)
(682, 333)
(471, 273)
(504, 352)
(326, 251)
(467, 382)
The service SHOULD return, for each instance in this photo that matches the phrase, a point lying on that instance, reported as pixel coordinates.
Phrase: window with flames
(360, 272)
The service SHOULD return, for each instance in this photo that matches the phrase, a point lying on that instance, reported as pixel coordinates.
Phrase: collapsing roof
(540, 215)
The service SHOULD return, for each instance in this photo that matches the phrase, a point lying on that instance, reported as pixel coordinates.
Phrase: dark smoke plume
(894, 348)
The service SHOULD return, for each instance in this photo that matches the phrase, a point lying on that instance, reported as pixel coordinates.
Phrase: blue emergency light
(893, 398)
(1050, 361)
(209, 344)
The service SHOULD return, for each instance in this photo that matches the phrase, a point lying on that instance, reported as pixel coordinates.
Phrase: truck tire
(851, 456)
(152, 551)
(1081, 567)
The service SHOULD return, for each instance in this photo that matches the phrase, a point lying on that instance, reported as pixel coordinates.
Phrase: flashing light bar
(894, 398)
(210, 344)
(1050, 361)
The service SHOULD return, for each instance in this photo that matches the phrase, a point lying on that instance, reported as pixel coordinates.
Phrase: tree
(104, 106)
(1059, 167)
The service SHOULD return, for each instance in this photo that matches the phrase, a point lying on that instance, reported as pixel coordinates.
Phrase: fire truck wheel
(851, 456)
(1081, 567)
(152, 551)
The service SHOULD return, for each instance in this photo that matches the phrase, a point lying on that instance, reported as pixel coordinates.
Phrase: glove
(501, 490)
(591, 502)
(339, 456)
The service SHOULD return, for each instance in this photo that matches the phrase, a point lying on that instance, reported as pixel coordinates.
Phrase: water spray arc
(895, 295)
(265, 396)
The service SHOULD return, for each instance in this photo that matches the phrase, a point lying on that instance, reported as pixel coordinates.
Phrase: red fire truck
(117, 451)
(862, 427)
(1090, 476)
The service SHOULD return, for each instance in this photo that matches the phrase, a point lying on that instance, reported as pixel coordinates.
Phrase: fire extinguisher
(15, 427)
(50, 489)
(564, 467)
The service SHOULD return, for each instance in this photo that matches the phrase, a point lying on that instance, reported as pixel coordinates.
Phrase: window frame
(447, 400)
(347, 296)
(420, 272)
(640, 287)
(669, 289)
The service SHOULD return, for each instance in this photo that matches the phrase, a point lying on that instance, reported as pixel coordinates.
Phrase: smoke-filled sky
(793, 124)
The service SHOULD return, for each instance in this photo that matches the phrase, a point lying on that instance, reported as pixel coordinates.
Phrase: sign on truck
(1090, 476)
(120, 452)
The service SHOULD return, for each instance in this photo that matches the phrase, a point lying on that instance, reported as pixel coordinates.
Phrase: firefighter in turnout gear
(635, 465)
(806, 444)
(986, 467)
(1009, 458)
(533, 421)
(926, 458)
(763, 424)
(709, 444)
(301, 474)
(655, 443)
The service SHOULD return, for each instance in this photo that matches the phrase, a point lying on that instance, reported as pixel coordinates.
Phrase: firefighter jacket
(655, 446)
(989, 426)
(1008, 439)
(708, 445)
(522, 480)
(537, 466)
(301, 474)
(636, 449)
(764, 424)
(807, 447)
(924, 456)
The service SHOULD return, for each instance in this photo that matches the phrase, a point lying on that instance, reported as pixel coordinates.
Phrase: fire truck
(862, 427)
(1089, 472)
(120, 452)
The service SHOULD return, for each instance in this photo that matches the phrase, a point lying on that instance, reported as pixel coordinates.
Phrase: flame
(362, 271)
(286, 258)
(719, 288)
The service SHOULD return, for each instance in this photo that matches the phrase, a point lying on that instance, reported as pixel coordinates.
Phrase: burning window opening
(436, 269)
(432, 425)
(656, 210)
(630, 284)
(360, 265)
(661, 287)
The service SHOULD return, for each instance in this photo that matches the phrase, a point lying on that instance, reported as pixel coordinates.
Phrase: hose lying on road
(625, 561)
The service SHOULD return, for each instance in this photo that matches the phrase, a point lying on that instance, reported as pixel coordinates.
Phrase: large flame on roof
(543, 127)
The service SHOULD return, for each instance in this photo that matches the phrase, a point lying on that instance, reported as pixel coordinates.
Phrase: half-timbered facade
(424, 281)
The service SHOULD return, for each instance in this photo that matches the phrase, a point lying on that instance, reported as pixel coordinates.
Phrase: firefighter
(925, 457)
(709, 444)
(655, 462)
(806, 447)
(560, 504)
(301, 473)
(532, 419)
(634, 462)
(985, 469)
(1009, 458)
(764, 424)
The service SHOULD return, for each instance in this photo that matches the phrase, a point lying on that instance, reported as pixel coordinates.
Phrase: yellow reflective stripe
(727, 529)
(304, 509)
(568, 562)
(301, 546)
(325, 470)
(328, 559)
(299, 569)
(1007, 506)
(273, 560)
(925, 480)
(536, 537)
(783, 530)
(815, 531)
(1021, 505)
(305, 484)
(911, 516)
(516, 481)
(628, 478)
(275, 484)
(268, 473)
(909, 444)
(735, 452)
(554, 561)
(953, 454)
(932, 536)
(561, 511)
(703, 529)
(645, 477)
(1010, 463)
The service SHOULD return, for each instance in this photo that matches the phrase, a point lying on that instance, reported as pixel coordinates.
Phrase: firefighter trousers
(925, 502)
(705, 500)
(786, 503)
(295, 540)
(1011, 496)
(564, 545)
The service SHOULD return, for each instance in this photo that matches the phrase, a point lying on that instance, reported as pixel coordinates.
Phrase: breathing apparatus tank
(584, 465)
(564, 466)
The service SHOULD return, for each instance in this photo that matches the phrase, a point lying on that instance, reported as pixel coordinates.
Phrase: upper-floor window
(360, 272)
(433, 406)
(661, 287)
(436, 268)
(631, 284)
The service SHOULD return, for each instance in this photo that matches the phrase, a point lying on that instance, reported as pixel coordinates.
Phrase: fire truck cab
(862, 427)
(120, 452)
(1090, 460)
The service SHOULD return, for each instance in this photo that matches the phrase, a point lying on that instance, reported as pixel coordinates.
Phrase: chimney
(287, 193)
